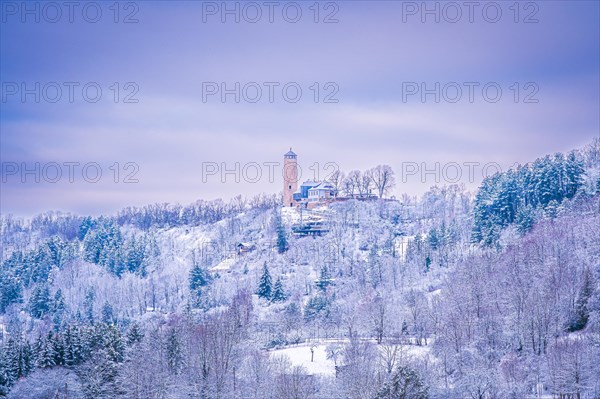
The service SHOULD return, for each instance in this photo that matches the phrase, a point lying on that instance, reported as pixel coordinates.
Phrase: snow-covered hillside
(450, 293)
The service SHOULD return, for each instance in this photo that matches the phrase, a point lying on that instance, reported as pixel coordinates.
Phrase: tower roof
(290, 153)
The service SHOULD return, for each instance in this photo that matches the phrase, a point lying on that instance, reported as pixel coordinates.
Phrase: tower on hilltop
(290, 177)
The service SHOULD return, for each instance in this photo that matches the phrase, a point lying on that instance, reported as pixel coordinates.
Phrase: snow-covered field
(301, 356)
(319, 364)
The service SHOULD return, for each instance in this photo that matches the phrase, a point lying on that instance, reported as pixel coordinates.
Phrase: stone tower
(290, 177)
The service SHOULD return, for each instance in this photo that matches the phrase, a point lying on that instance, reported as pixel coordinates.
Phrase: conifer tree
(198, 279)
(58, 346)
(74, 351)
(525, 219)
(10, 360)
(134, 335)
(11, 288)
(112, 342)
(58, 309)
(26, 359)
(324, 280)
(574, 171)
(582, 311)
(44, 349)
(88, 305)
(265, 286)
(107, 313)
(39, 302)
(278, 292)
(174, 352)
(405, 383)
(282, 243)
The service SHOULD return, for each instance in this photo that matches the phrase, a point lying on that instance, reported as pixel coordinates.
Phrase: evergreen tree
(551, 210)
(111, 250)
(73, 346)
(483, 209)
(86, 225)
(58, 309)
(197, 279)
(39, 302)
(265, 287)
(427, 263)
(546, 185)
(433, 239)
(98, 376)
(107, 313)
(11, 288)
(112, 342)
(574, 171)
(26, 359)
(282, 243)
(58, 347)
(174, 352)
(134, 256)
(278, 292)
(582, 311)
(104, 246)
(314, 307)
(10, 360)
(44, 349)
(324, 279)
(88, 305)
(92, 246)
(16, 361)
(525, 219)
(4, 379)
(41, 264)
(515, 195)
(507, 197)
(135, 334)
(404, 384)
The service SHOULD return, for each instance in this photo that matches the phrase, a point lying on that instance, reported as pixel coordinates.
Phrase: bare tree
(292, 382)
(364, 187)
(337, 180)
(359, 371)
(389, 356)
(378, 317)
(352, 183)
(383, 179)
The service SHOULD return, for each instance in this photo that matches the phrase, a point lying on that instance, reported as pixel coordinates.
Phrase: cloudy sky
(177, 101)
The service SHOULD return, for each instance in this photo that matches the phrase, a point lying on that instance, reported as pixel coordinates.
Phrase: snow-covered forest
(491, 294)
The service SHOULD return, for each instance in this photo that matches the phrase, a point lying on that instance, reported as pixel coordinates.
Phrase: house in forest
(244, 247)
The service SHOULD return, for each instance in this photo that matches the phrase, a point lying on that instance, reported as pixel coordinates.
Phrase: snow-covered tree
(265, 285)
(39, 301)
(278, 294)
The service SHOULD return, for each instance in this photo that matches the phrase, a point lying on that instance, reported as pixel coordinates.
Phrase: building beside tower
(311, 193)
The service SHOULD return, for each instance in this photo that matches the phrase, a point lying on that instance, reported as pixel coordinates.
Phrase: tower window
(289, 187)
